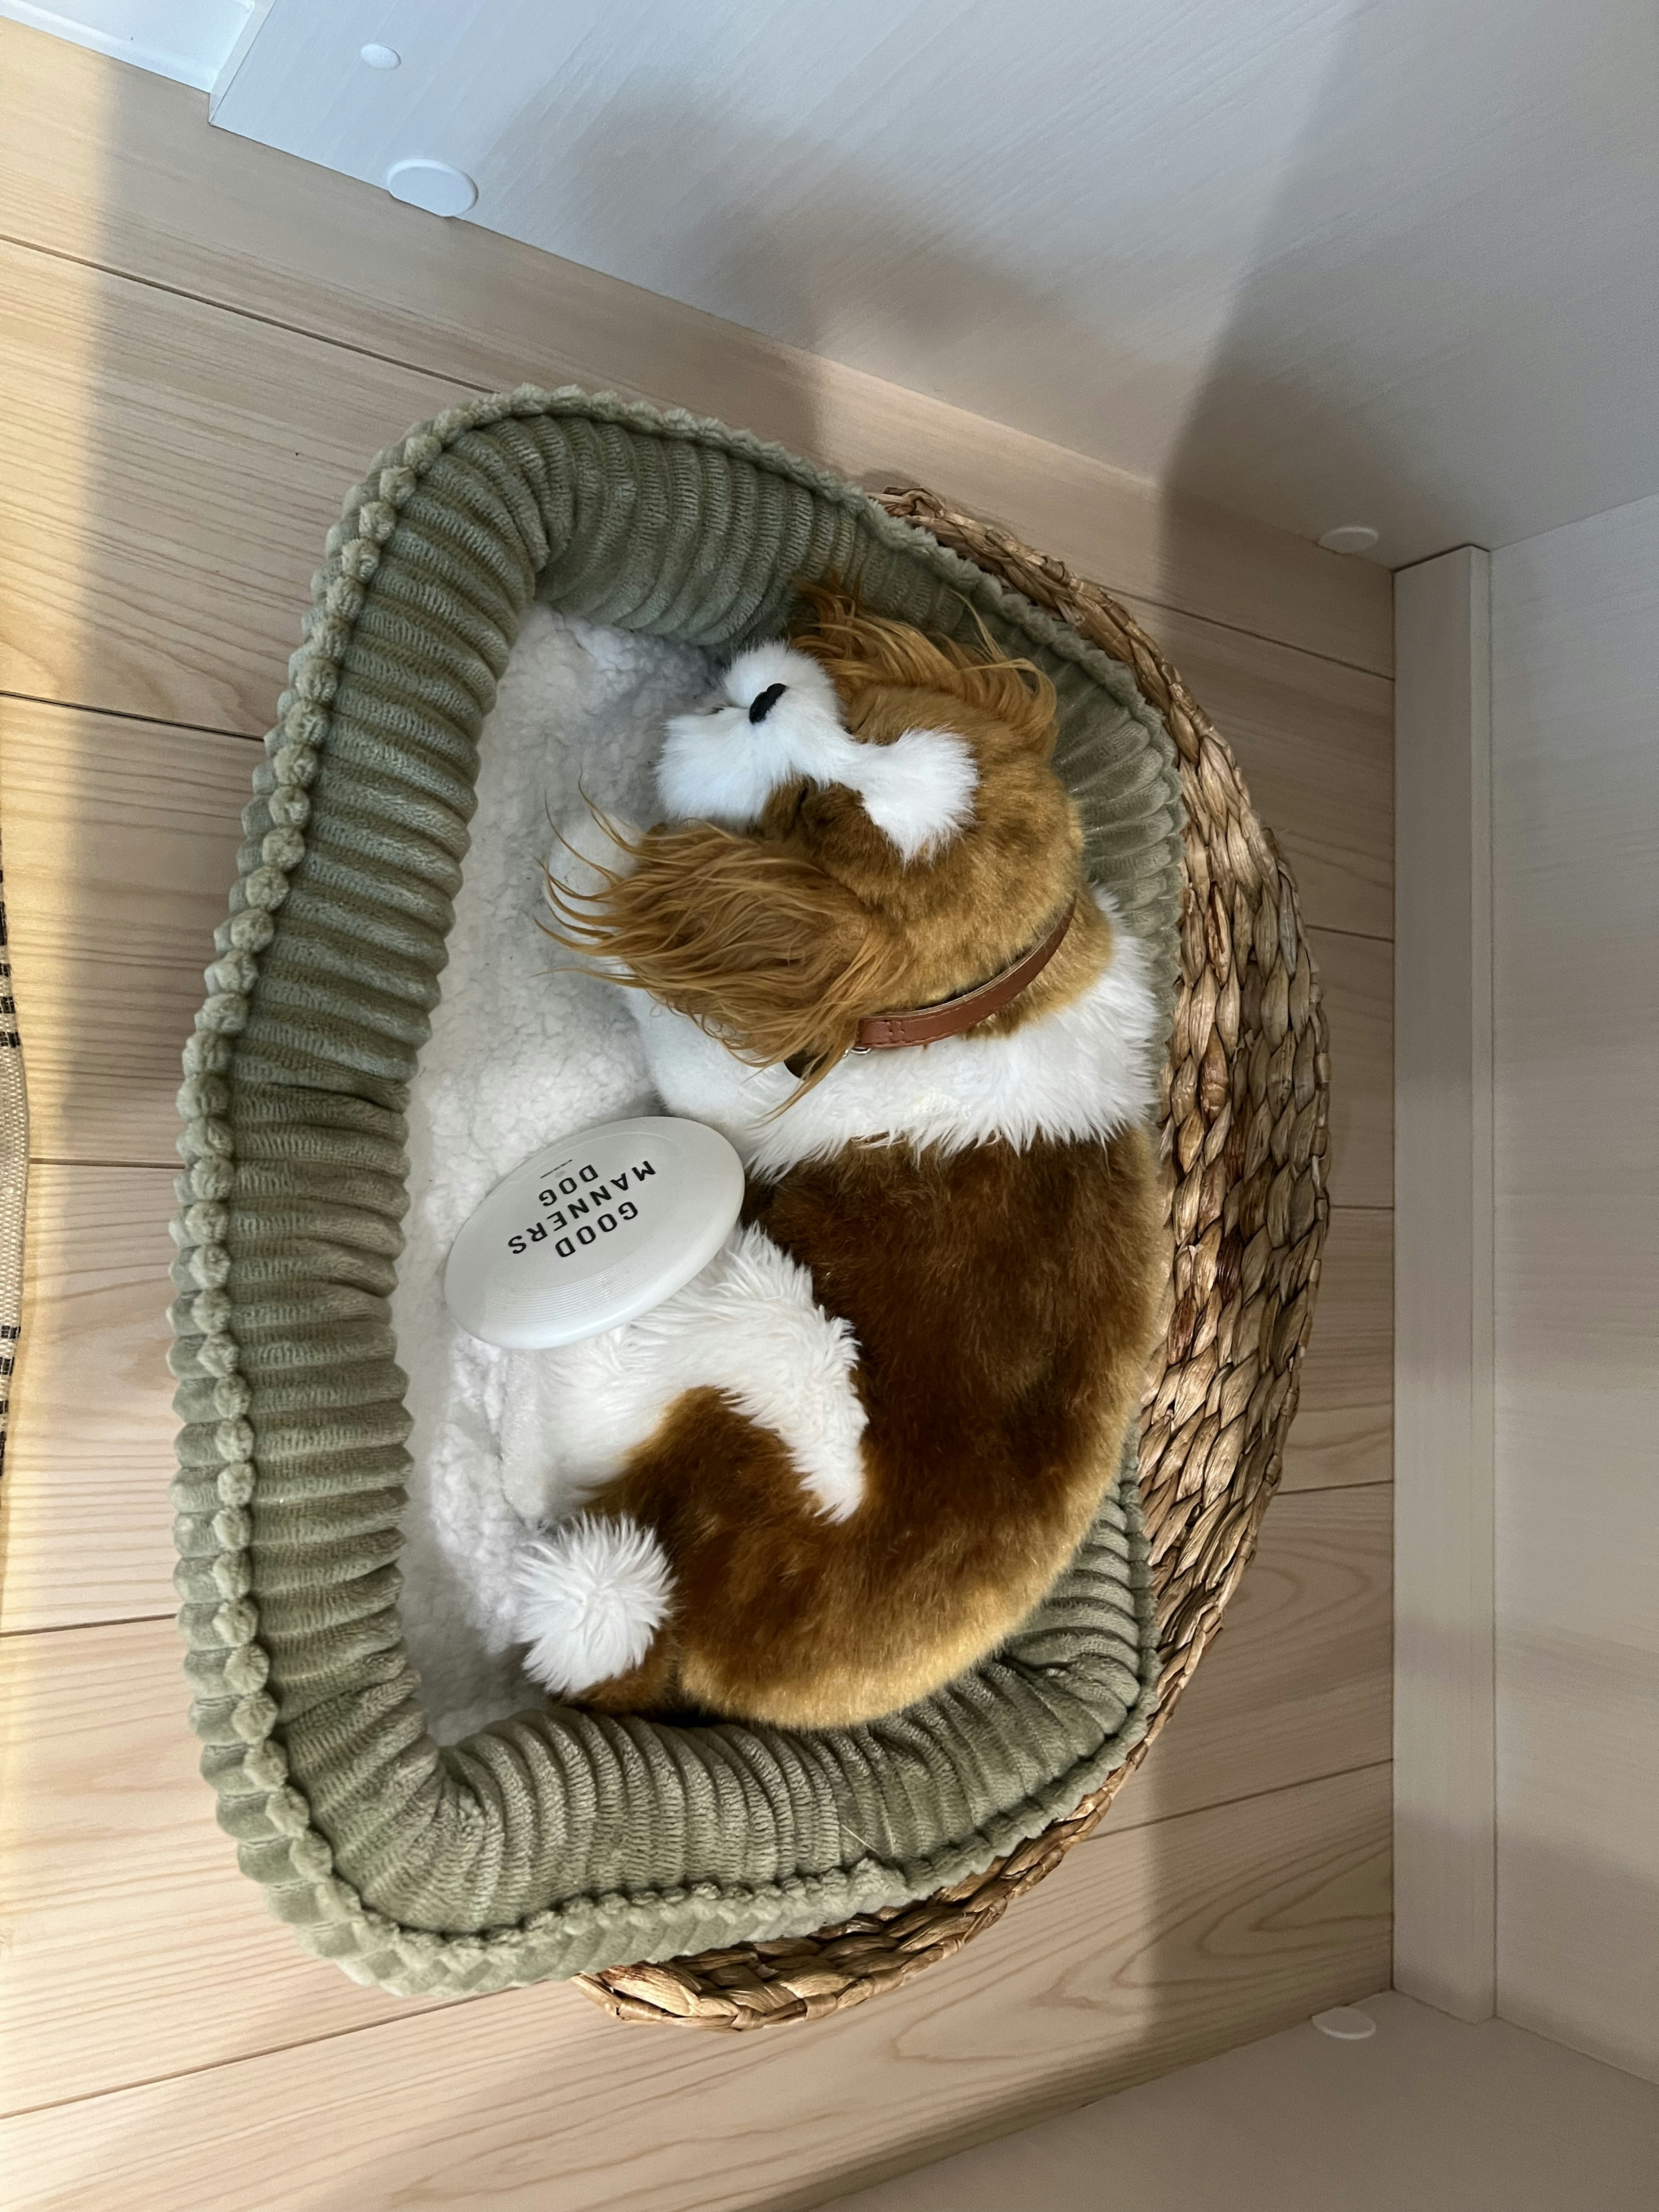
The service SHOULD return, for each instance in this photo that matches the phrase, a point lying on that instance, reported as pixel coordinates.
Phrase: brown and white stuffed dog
(846, 1460)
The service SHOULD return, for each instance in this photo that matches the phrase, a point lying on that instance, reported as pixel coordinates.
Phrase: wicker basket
(1244, 1116)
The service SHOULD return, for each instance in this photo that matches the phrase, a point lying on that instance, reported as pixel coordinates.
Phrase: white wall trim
(184, 39)
(1444, 1819)
(257, 11)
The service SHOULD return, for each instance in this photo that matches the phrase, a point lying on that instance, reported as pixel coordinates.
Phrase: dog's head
(865, 820)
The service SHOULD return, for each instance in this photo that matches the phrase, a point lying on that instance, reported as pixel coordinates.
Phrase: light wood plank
(1164, 1944)
(121, 841)
(86, 1526)
(121, 168)
(1344, 1427)
(1358, 974)
(180, 468)
(121, 850)
(135, 1946)
(171, 473)
(1298, 1684)
(1316, 742)
(89, 1995)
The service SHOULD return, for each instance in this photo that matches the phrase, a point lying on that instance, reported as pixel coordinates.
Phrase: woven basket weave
(1243, 1117)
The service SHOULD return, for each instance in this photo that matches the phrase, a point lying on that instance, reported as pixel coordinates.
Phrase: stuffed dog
(846, 1461)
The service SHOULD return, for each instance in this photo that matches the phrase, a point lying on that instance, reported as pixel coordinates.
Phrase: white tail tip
(591, 1597)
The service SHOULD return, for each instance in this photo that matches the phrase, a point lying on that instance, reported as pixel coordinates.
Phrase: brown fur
(1003, 1304)
(867, 654)
(750, 939)
(1002, 1299)
(781, 942)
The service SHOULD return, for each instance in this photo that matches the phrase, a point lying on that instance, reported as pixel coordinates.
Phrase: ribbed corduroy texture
(554, 1841)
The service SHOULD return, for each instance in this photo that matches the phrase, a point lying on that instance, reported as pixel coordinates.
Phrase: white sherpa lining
(520, 1055)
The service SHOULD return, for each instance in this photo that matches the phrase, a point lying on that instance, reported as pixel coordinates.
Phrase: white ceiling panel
(1326, 261)
(189, 40)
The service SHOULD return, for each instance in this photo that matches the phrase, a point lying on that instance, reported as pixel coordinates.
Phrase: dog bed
(552, 1841)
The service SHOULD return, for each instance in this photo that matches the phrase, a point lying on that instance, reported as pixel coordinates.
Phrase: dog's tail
(592, 1597)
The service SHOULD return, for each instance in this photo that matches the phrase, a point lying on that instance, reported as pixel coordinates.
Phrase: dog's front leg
(747, 1326)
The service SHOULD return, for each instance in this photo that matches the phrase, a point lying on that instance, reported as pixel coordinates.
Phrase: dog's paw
(750, 1327)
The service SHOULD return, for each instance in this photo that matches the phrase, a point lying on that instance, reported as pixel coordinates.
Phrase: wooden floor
(202, 344)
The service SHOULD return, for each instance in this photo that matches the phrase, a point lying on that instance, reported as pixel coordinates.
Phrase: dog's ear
(763, 949)
(866, 653)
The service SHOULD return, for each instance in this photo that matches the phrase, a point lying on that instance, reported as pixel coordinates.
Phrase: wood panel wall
(204, 342)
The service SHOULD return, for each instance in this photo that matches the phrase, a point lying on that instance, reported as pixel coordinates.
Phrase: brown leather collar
(950, 1017)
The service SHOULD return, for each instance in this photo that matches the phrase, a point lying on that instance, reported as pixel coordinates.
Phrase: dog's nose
(763, 701)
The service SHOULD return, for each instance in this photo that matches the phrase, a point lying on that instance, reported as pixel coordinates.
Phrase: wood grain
(1163, 1944)
(121, 169)
(121, 849)
(1298, 1683)
(121, 843)
(89, 1991)
(135, 1946)
(171, 473)
(1344, 1427)
(176, 462)
(86, 1526)
(1358, 974)
(1316, 742)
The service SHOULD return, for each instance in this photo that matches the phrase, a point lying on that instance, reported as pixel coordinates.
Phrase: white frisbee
(593, 1231)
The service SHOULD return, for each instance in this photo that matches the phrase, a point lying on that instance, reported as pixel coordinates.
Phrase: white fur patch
(920, 790)
(748, 1326)
(591, 1598)
(722, 767)
(760, 666)
(1088, 1070)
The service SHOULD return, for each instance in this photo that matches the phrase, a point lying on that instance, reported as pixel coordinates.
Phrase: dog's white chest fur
(1086, 1071)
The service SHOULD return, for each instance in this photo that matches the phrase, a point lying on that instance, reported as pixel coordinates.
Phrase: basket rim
(262, 1801)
